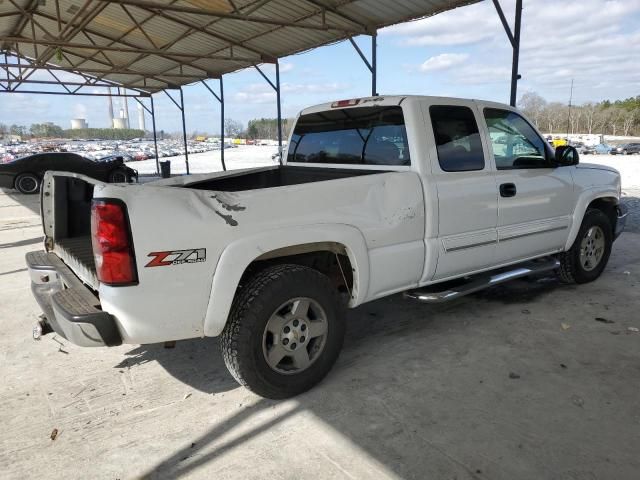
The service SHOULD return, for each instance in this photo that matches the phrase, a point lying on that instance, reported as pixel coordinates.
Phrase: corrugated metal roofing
(150, 45)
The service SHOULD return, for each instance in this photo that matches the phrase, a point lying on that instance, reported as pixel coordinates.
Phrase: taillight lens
(112, 247)
(345, 103)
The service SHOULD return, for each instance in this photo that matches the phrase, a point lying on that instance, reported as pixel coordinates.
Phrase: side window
(457, 138)
(515, 143)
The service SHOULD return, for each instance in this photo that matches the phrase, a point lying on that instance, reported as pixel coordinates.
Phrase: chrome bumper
(70, 307)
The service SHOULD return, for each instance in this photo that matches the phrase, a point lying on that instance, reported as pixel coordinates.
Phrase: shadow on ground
(391, 390)
(197, 363)
(32, 202)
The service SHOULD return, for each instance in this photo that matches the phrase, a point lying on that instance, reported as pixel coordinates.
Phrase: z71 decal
(177, 257)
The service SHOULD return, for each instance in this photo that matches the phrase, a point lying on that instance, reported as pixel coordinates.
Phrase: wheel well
(607, 205)
(329, 258)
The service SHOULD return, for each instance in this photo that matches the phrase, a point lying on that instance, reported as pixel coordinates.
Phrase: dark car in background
(124, 156)
(626, 149)
(25, 174)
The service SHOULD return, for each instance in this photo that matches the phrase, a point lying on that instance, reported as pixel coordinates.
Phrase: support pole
(155, 137)
(279, 111)
(224, 166)
(374, 64)
(220, 99)
(184, 132)
(516, 54)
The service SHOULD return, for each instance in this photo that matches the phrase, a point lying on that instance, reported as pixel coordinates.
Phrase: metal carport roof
(149, 46)
(154, 45)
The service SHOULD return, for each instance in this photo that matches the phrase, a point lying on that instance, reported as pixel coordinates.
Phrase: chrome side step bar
(482, 281)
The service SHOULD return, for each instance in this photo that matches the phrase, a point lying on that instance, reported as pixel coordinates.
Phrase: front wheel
(284, 332)
(589, 254)
(27, 183)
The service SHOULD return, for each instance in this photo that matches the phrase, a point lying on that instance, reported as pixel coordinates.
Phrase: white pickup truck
(434, 197)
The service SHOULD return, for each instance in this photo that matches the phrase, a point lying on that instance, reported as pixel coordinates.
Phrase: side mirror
(566, 156)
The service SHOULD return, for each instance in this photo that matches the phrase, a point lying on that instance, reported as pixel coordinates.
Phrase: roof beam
(82, 94)
(145, 51)
(49, 52)
(204, 30)
(75, 84)
(88, 33)
(235, 16)
(33, 5)
(343, 16)
(94, 70)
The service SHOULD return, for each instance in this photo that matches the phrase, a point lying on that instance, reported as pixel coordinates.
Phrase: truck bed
(276, 177)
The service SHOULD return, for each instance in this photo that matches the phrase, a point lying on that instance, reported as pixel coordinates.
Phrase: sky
(461, 53)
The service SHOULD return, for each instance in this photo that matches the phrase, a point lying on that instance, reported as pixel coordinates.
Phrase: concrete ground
(533, 380)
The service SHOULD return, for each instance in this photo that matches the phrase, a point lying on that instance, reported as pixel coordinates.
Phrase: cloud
(286, 67)
(457, 27)
(596, 48)
(260, 93)
(80, 110)
(444, 61)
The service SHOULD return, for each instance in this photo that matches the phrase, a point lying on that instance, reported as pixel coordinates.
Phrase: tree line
(51, 130)
(258, 128)
(620, 117)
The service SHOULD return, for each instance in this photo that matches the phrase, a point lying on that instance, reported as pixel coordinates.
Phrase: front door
(535, 198)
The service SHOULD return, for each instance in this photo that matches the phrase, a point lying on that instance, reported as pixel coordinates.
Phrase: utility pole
(569, 114)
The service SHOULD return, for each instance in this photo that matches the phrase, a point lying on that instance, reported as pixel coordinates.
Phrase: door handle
(508, 190)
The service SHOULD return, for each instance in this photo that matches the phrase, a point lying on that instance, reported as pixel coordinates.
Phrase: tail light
(345, 103)
(112, 245)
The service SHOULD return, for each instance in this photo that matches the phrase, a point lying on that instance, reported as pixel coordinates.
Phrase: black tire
(27, 183)
(571, 268)
(118, 176)
(244, 335)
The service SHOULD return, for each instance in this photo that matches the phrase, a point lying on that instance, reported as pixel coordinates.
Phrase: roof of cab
(390, 100)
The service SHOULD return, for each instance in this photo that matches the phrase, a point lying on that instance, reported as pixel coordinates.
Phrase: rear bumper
(621, 220)
(71, 309)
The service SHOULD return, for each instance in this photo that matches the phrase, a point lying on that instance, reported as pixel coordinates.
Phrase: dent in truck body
(363, 213)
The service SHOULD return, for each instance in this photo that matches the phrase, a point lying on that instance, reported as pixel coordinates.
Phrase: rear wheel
(27, 183)
(586, 259)
(118, 176)
(285, 331)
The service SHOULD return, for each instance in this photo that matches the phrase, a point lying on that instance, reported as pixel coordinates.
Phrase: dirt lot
(533, 380)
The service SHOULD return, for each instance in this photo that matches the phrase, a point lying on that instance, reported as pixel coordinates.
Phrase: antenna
(569, 114)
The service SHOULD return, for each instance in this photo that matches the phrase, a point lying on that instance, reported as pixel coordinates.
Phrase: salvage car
(434, 197)
(25, 174)
(626, 149)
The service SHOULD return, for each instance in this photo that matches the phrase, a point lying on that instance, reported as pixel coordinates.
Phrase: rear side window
(457, 138)
(353, 136)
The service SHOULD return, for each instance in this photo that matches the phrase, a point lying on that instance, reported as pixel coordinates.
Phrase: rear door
(464, 178)
(535, 198)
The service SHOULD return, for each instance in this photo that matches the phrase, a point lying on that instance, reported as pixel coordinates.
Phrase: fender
(237, 256)
(586, 197)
